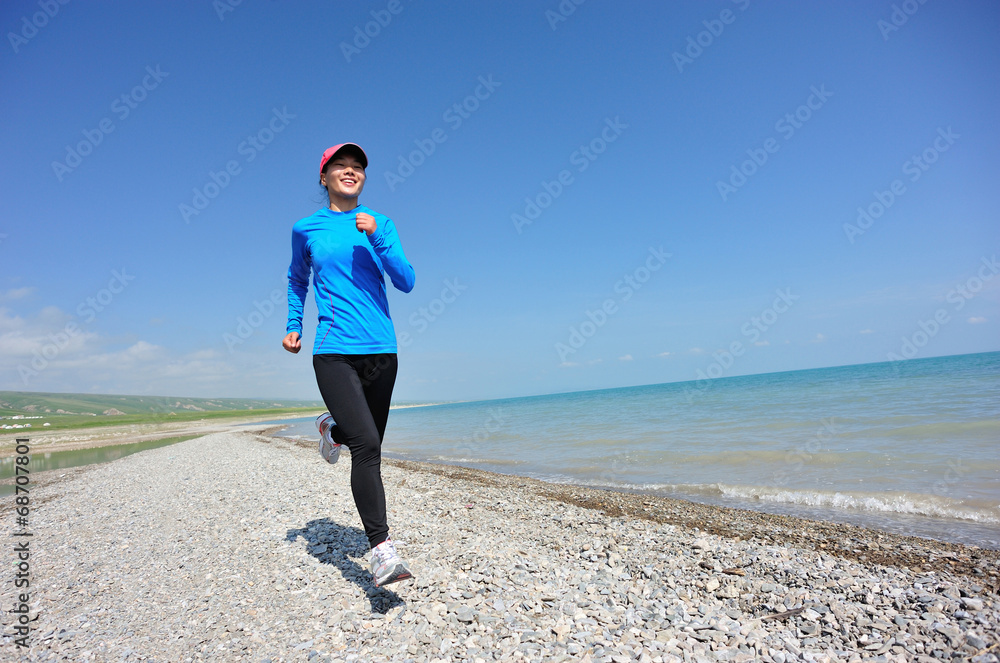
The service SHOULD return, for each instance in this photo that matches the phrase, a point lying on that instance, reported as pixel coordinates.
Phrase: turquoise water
(910, 446)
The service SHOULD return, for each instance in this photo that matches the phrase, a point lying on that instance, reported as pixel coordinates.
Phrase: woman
(347, 246)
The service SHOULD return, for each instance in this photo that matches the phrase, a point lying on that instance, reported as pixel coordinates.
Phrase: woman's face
(344, 176)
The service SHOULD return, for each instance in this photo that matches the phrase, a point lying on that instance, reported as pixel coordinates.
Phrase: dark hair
(324, 196)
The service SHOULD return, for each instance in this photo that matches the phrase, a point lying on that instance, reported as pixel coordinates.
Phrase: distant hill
(108, 405)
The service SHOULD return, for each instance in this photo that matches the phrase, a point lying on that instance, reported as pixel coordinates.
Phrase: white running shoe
(328, 449)
(387, 565)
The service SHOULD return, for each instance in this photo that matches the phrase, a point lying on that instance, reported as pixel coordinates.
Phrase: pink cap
(332, 152)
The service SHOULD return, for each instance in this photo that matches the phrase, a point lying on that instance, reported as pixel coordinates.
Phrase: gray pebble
(231, 565)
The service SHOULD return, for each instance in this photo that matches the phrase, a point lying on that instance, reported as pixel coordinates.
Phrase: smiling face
(344, 178)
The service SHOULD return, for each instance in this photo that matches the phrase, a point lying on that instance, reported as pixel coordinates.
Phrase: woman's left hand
(366, 222)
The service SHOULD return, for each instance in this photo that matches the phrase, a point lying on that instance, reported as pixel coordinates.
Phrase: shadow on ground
(344, 545)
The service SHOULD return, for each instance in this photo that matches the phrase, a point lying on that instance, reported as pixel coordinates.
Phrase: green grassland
(65, 411)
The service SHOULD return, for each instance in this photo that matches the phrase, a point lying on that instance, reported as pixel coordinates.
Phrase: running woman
(348, 247)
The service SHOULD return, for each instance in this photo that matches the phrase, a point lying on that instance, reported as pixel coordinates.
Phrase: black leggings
(357, 390)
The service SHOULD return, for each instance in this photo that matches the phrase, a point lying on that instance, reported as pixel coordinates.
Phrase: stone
(970, 603)
(975, 641)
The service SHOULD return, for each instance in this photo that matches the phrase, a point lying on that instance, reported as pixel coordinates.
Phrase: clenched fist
(366, 222)
(291, 342)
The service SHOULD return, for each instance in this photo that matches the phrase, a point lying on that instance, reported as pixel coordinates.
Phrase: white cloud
(9, 321)
(568, 364)
(976, 321)
(696, 351)
(867, 331)
(762, 343)
(663, 354)
(16, 293)
(625, 358)
(50, 334)
(819, 338)
(55, 351)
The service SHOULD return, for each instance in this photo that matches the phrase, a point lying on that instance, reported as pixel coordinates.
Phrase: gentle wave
(890, 502)
(909, 503)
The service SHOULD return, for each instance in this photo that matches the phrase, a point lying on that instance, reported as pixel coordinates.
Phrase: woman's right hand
(291, 342)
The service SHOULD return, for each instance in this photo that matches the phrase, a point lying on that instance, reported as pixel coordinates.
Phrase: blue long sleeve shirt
(347, 268)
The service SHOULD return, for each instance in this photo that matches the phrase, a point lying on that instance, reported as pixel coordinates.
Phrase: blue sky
(577, 218)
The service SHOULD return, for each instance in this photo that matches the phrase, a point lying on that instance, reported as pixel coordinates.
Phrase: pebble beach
(241, 546)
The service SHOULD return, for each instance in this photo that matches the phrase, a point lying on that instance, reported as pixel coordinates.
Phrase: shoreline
(853, 542)
(200, 550)
(848, 540)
